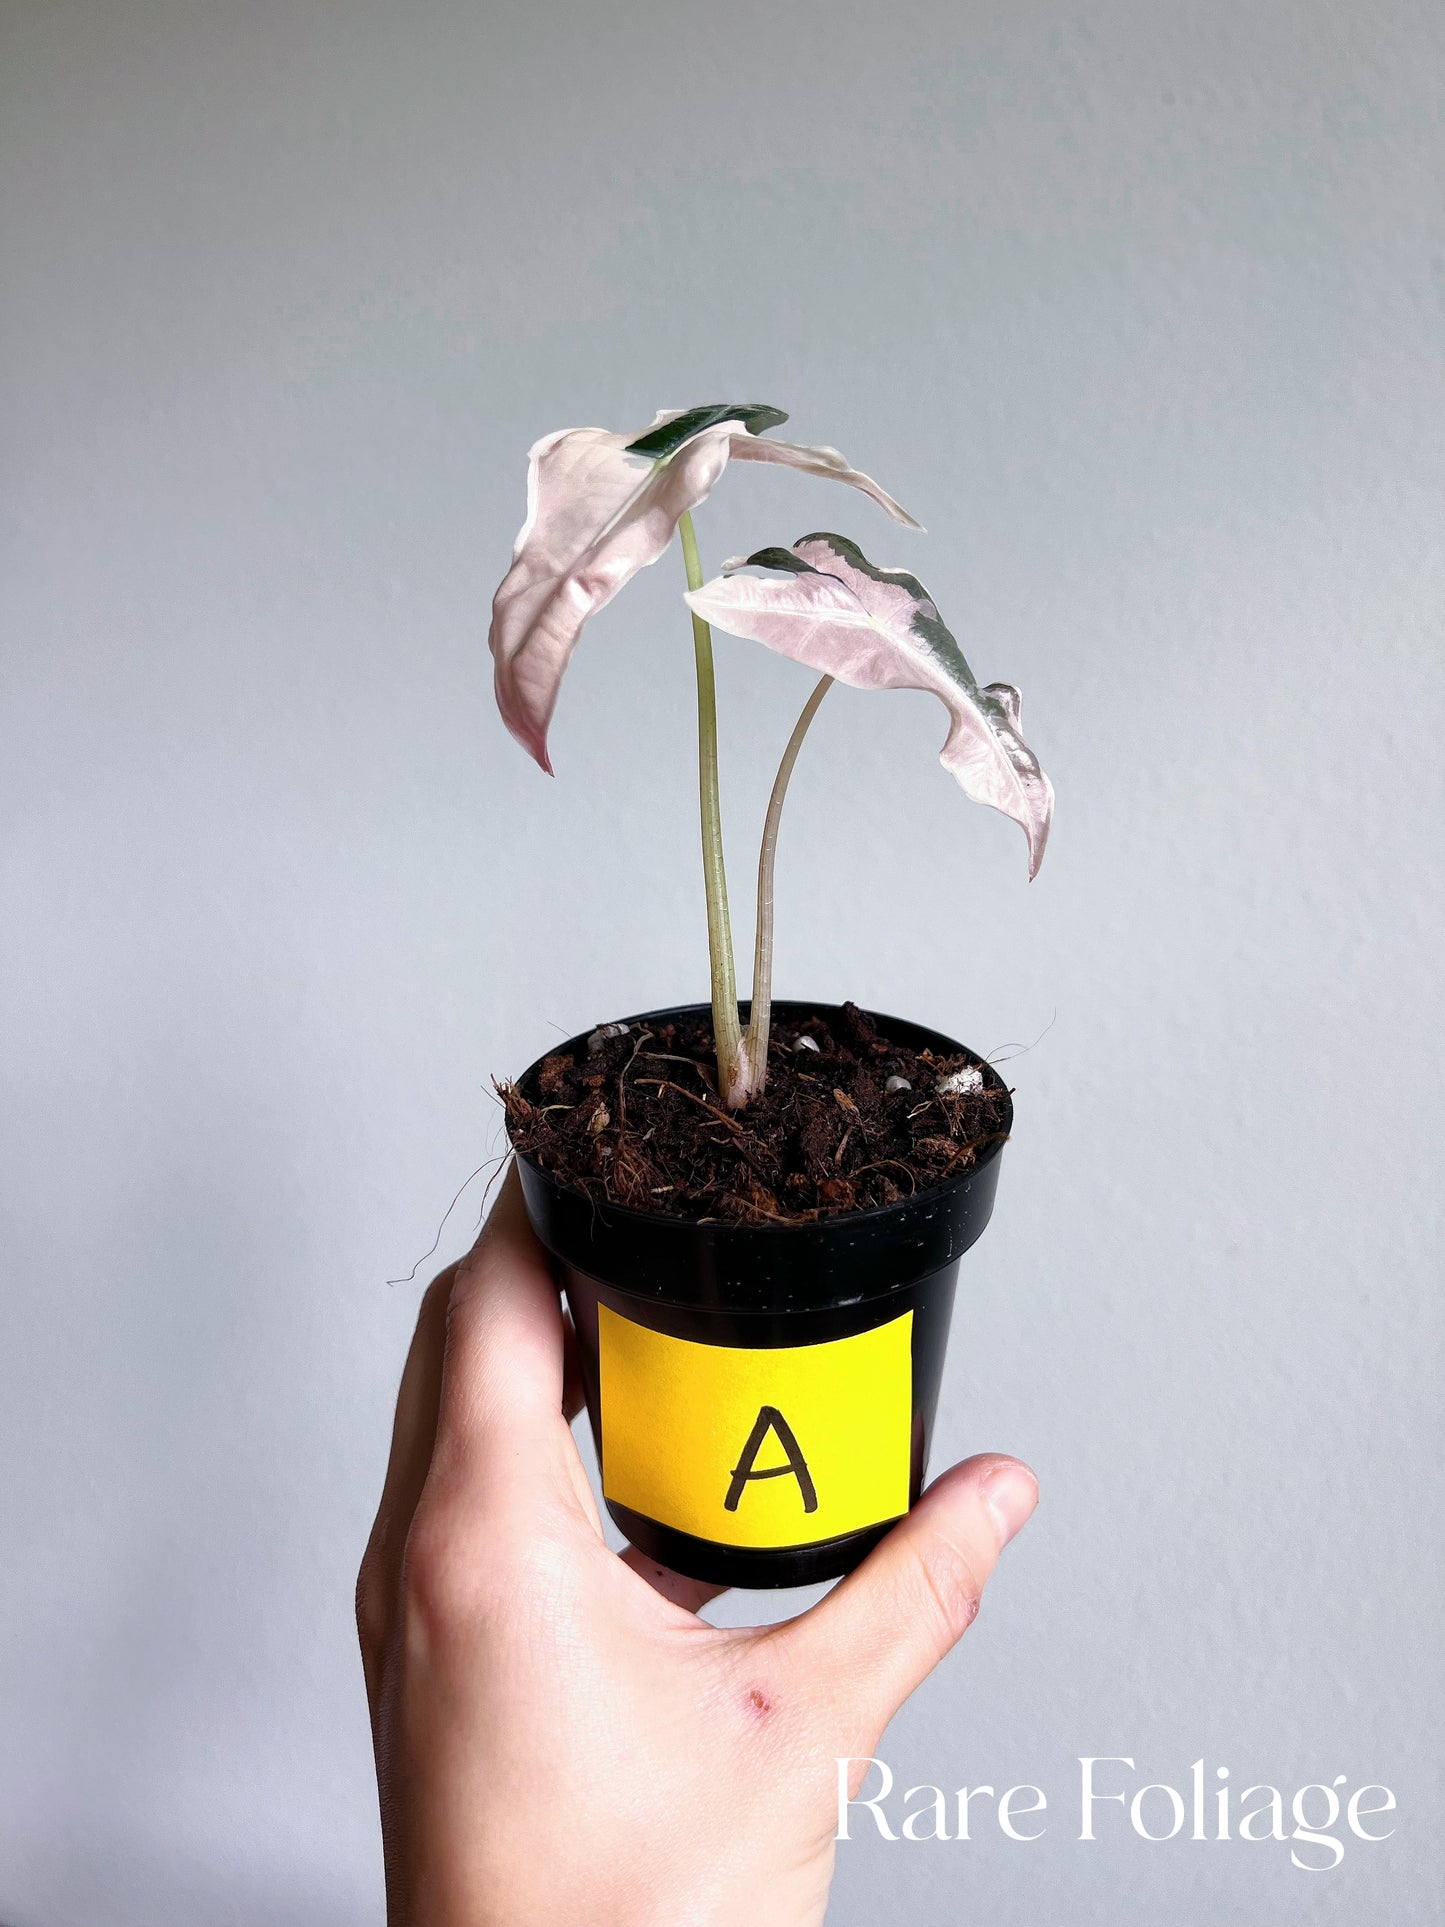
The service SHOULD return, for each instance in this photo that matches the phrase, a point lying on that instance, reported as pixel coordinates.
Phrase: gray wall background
(1137, 307)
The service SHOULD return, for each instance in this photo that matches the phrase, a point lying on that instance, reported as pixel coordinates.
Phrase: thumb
(881, 1632)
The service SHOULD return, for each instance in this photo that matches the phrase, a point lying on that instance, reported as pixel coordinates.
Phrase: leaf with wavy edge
(673, 426)
(825, 604)
(597, 512)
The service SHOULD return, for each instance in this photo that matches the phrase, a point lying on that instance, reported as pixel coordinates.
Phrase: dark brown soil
(635, 1118)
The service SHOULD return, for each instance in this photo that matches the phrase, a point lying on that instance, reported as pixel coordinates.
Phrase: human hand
(559, 1738)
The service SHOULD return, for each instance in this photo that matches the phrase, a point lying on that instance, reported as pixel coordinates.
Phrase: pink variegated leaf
(823, 603)
(599, 508)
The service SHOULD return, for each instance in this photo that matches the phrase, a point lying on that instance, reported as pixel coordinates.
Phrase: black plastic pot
(762, 1396)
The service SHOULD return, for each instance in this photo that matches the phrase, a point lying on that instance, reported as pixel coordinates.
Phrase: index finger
(502, 1386)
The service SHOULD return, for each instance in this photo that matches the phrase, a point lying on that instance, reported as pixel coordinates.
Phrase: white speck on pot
(898, 1084)
(960, 1083)
(805, 1043)
(604, 1034)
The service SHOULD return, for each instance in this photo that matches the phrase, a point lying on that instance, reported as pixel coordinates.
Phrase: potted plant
(758, 1209)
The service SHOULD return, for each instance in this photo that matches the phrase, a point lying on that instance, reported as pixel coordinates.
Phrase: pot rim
(627, 1214)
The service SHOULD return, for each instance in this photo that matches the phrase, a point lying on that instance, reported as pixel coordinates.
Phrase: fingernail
(1010, 1492)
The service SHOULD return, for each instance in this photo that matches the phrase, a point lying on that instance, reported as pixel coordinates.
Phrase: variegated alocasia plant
(601, 506)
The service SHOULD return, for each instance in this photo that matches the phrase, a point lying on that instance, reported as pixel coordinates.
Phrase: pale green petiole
(727, 1029)
(742, 1056)
(755, 1048)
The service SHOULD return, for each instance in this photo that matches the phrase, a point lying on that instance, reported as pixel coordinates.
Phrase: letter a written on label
(774, 1446)
(769, 1419)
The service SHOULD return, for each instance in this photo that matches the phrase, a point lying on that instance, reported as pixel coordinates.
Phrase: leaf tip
(1037, 832)
(535, 744)
(522, 729)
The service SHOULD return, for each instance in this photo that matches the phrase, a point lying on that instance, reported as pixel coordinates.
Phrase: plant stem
(755, 1049)
(727, 1030)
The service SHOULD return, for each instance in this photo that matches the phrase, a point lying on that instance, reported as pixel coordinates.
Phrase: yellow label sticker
(774, 1447)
